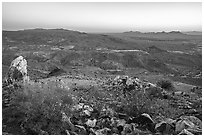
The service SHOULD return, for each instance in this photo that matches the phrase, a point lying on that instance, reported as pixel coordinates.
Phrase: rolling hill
(172, 53)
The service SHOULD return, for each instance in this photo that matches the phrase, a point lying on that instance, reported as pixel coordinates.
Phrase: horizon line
(99, 31)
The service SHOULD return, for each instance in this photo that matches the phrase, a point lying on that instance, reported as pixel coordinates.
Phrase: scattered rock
(107, 112)
(78, 106)
(104, 121)
(104, 131)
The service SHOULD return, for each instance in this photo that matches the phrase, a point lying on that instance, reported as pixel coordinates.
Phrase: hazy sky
(103, 17)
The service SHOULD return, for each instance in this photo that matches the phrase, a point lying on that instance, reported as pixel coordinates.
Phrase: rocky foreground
(80, 106)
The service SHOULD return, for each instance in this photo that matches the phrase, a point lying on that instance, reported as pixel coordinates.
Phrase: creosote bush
(166, 85)
(38, 110)
(137, 102)
(154, 92)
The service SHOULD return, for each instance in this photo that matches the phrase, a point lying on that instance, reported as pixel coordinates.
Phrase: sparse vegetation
(36, 109)
(87, 100)
(39, 110)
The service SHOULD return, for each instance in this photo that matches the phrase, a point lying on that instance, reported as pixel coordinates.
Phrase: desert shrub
(37, 110)
(165, 84)
(137, 102)
(154, 92)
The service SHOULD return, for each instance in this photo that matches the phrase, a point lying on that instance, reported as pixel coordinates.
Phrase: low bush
(154, 92)
(166, 85)
(37, 110)
(137, 102)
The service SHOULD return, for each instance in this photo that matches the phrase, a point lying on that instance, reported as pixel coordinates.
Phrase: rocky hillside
(62, 82)
(81, 105)
(58, 51)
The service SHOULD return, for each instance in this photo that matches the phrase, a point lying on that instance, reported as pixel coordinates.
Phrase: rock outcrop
(17, 70)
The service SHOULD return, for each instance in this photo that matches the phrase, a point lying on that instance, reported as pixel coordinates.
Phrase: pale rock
(185, 132)
(91, 123)
(190, 123)
(120, 122)
(104, 131)
(18, 70)
(88, 113)
(87, 107)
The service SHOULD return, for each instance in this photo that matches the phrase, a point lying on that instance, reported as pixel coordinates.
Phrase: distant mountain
(163, 32)
(62, 37)
(193, 32)
(172, 35)
(133, 32)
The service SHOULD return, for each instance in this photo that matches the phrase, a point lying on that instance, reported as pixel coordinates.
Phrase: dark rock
(144, 121)
(166, 127)
(120, 129)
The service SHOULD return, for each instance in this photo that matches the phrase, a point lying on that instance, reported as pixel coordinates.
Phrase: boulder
(91, 123)
(185, 132)
(196, 121)
(143, 119)
(166, 127)
(189, 123)
(17, 70)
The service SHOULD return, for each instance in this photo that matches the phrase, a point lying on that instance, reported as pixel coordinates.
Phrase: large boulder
(17, 70)
(144, 120)
(166, 127)
(190, 123)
